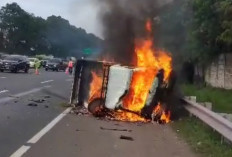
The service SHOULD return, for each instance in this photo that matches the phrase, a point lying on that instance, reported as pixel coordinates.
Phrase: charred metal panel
(118, 83)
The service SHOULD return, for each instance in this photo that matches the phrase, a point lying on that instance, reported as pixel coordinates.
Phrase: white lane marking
(47, 81)
(22, 150)
(3, 91)
(3, 100)
(69, 80)
(49, 126)
(2, 77)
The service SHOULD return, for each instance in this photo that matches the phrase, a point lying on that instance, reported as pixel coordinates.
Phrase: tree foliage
(24, 33)
(197, 29)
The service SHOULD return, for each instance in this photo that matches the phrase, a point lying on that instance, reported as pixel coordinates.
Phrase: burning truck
(127, 93)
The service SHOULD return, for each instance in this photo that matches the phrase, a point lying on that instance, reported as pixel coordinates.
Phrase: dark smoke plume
(124, 21)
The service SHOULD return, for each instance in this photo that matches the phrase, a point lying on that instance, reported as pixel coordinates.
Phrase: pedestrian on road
(70, 66)
(37, 66)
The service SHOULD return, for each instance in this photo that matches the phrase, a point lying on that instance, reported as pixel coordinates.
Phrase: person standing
(70, 66)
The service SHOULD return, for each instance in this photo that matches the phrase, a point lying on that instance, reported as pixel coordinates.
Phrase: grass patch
(201, 138)
(64, 104)
(221, 98)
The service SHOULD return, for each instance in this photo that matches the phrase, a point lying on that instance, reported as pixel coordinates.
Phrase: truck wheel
(96, 108)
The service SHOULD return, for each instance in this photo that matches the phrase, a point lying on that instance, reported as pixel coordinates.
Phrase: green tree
(225, 9)
(23, 33)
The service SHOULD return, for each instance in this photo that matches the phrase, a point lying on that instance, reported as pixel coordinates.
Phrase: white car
(33, 61)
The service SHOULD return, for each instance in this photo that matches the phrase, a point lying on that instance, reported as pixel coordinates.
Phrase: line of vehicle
(23, 149)
(4, 91)
(12, 97)
(47, 81)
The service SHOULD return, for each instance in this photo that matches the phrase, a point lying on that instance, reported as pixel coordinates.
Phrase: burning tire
(96, 107)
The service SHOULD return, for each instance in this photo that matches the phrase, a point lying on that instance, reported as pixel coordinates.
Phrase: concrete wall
(219, 73)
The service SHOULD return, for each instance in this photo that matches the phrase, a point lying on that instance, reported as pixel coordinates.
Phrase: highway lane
(11, 83)
(19, 121)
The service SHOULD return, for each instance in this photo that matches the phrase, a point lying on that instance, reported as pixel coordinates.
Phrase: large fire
(148, 61)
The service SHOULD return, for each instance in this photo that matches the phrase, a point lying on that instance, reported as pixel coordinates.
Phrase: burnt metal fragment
(126, 138)
(126, 130)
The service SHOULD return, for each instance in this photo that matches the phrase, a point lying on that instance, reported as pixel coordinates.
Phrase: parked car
(55, 64)
(44, 63)
(33, 62)
(15, 63)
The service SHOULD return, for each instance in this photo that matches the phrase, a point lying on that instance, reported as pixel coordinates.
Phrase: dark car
(44, 63)
(55, 64)
(14, 63)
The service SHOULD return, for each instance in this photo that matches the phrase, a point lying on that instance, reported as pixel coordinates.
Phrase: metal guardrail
(217, 122)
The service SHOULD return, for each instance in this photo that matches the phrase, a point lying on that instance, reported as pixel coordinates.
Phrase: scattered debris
(77, 130)
(15, 101)
(117, 124)
(47, 96)
(32, 105)
(126, 138)
(13, 96)
(115, 129)
(81, 111)
(38, 101)
(46, 106)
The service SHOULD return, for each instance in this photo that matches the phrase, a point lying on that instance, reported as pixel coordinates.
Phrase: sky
(81, 13)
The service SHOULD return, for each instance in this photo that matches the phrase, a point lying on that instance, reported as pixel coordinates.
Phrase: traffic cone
(36, 71)
(66, 71)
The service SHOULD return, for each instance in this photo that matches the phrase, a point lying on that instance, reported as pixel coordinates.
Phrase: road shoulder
(83, 136)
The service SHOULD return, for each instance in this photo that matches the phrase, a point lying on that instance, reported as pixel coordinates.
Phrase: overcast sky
(81, 13)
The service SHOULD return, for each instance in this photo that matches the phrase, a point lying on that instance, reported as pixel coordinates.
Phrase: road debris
(126, 130)
(32, 105)
(38, 101)
(47, 96)
(81, 111)
(126, 138)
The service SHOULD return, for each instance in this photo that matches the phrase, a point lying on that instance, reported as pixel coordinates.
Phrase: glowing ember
(165, 117)
(128, 116)
(95, 87)
(149, 26)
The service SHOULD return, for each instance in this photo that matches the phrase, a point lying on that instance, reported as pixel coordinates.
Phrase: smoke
(123, 21)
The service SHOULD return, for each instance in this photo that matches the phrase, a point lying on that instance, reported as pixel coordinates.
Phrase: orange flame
(128, 116)
(95, 87)
(165, 117)
(150, 61)
(149, 26)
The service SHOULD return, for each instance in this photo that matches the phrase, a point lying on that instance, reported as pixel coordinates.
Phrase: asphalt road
(83, 136)
(48, 129)
(19, 119)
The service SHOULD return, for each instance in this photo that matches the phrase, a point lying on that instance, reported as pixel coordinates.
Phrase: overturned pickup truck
(126, 93)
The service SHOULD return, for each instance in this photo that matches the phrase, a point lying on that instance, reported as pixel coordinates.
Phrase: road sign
(87, 51)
